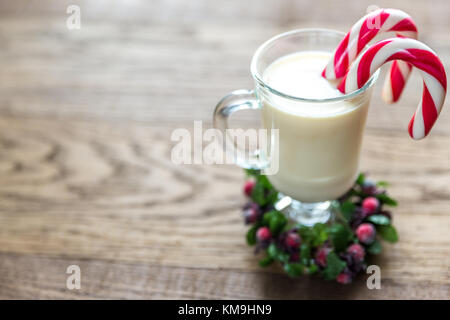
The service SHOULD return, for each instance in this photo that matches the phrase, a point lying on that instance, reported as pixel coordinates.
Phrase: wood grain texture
(85, 170)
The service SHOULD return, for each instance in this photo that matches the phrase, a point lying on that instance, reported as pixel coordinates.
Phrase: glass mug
(318, 156)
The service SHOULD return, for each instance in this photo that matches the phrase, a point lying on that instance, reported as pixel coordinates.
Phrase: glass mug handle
(236, 101)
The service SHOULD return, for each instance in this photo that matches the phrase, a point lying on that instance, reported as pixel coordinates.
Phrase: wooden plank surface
(85, 170)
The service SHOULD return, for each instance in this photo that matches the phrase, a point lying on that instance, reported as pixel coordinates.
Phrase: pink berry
(248, 187)
(293, 240)
(370, 204)
(251, 215)
(263, 234)
(321, 257)
(356, 251)
(366, 233)
(344, 278)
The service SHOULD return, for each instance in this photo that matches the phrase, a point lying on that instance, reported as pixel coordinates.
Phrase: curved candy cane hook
(362, 32)
(420, 56)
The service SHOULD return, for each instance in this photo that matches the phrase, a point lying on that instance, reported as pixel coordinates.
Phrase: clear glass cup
(317, 156)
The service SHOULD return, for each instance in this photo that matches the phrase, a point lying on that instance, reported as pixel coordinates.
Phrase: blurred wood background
(85, 171)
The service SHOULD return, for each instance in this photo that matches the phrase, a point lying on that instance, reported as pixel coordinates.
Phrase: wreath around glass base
(337, 250)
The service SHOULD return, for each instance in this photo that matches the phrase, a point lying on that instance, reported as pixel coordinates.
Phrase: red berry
(356, 251)
(293, 240)
(366, 233)
(344, 278)
(370, 204)
(263, 234)
(321, 256)
(251, 215)
(369, 187)
(248, 187)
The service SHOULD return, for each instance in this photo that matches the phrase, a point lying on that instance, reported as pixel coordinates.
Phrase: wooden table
(85, 172)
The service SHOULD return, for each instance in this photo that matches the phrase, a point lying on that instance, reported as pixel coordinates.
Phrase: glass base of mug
(306, 213)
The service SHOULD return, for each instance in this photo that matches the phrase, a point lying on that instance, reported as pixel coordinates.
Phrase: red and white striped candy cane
(362, 32)
(421, 57)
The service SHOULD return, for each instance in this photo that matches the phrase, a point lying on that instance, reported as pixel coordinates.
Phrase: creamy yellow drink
(319, 142)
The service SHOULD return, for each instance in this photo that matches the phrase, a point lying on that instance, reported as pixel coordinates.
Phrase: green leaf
(267, 217)
(306, 234)
(263, 191)
(265, 262)
(319, 234)
(251, 235)
(272, 197)
(379, 219)
(313, 269)
(356, 193)
(388, 233)
(340, 235)
(375, 247)
(314, 236)
(360, 179)
(277, 254)
(258, 194)
(272, 250)
(385, 199)
(252, 172)
(262, 180)
(347, 209)
(293, 269)
(305, 253)
(382, 184)
(334, 266)
(277, 222)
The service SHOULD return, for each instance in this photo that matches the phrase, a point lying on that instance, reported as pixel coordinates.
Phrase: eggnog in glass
(320, 130)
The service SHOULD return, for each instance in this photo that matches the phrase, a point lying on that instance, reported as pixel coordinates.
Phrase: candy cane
(395, 81)
(362, 32)
(421, 57)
